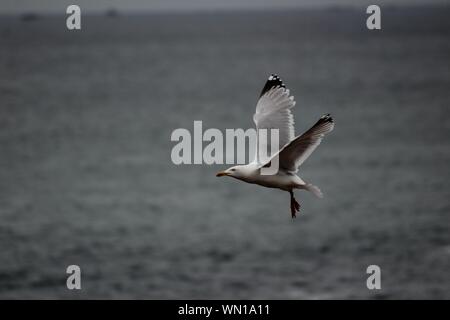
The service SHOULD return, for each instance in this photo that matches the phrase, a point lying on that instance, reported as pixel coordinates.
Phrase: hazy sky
(17, 6)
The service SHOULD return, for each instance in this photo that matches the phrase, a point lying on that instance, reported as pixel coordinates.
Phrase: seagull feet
(295, 206)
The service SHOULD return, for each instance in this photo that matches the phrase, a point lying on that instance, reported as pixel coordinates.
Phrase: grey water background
(86, 176)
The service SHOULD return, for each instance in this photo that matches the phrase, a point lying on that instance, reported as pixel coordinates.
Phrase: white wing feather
(273, 112)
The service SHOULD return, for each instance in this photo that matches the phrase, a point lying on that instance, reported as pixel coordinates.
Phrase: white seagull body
(273, 111)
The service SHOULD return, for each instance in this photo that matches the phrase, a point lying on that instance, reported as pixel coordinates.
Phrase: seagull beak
(221, 174)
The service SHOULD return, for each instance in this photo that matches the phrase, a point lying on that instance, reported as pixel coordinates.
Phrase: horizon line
(120, 11)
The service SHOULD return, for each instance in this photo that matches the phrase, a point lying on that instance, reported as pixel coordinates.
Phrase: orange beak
(221, 174)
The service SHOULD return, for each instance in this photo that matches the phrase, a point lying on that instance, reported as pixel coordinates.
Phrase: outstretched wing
(298, 150)
(273, 112)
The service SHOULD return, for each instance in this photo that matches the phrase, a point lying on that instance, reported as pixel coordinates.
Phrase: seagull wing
(273, 112)
(298, 150)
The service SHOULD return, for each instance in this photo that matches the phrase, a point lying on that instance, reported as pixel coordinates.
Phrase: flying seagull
(273, 111)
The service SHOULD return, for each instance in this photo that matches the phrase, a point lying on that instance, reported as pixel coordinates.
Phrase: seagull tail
(314, 189)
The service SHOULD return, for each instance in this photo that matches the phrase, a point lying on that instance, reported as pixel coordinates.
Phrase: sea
(87, 179)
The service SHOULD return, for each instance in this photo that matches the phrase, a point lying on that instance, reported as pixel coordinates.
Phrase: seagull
(273, 111)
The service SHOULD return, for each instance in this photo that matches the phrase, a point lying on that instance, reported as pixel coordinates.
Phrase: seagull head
(235, 172)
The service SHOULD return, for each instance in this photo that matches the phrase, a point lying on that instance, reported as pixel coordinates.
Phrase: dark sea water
(86, 176)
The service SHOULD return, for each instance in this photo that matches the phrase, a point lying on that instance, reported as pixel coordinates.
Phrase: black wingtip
(326, 118)
(272, 81)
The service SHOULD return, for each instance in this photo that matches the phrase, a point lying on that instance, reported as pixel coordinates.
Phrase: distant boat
(29, 16)
(112, 13)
